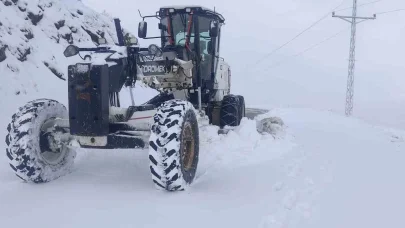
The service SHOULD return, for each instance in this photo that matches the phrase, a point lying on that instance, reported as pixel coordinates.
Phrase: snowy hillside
(33, 36)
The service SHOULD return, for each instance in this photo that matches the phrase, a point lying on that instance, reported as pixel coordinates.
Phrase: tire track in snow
(299, 191)
(280, 216)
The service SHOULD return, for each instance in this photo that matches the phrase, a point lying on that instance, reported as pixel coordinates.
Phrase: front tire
(35, 148)
(174, 146)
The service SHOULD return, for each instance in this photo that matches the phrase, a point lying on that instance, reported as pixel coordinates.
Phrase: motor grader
(186, 68)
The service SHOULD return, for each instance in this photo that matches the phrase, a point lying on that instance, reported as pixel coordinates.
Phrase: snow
(82, 68)
(323, 170)
(97, 58)
(319, 170)
(179, 7)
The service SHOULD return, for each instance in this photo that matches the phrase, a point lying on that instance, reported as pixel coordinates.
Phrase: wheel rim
(53, 141)
(188, 147)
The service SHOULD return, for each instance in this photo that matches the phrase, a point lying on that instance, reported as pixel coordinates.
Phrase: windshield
(180, 27)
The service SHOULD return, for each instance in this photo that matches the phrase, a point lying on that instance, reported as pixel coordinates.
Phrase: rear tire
(242, 107)
(174, 146)
(36, 151)
(230, 111)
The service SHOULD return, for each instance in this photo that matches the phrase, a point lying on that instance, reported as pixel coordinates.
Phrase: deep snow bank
(244, 145)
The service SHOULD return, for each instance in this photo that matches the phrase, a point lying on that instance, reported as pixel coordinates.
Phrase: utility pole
(350, 79)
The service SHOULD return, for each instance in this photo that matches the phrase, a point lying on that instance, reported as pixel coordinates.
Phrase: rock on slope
(33, 35)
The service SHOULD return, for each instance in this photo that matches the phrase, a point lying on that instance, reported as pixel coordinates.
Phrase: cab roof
(195, 8)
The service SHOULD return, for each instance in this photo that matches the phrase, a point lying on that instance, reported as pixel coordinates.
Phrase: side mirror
(71, 50)
(142, 29)
(214, 29)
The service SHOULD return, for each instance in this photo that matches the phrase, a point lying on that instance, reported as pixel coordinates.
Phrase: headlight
(155, 50)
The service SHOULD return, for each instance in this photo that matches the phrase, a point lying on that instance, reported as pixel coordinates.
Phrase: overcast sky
(317, 78)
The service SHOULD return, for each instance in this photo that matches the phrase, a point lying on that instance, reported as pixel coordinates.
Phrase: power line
(361, 5)
(324, 41)
(392, 11)
(369, 3)
(307, 49)
(299, 34)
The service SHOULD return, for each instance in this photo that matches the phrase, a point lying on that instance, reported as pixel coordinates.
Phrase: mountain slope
(33, 36)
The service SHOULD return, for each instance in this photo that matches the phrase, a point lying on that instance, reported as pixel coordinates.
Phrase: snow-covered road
(323, 170)
(343, 173)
